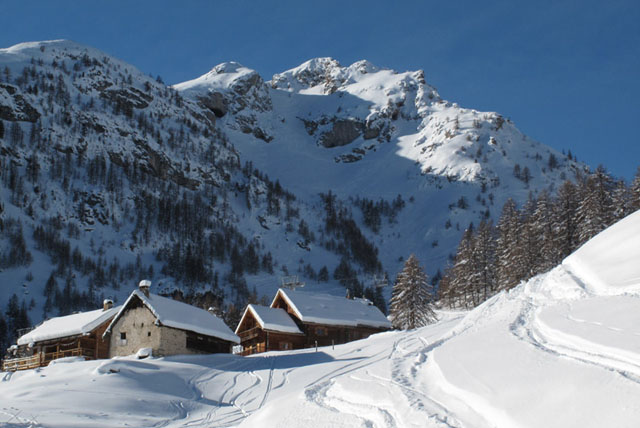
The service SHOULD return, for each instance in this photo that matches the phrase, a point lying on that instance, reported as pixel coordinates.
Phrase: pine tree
(548, 256)
(4, 333)
(621, 201)
(462, 271)
(483, 282)
(528, 252)
(412, 297)
(507, 246)
(564, 220)
(595, 211)
(635, 192)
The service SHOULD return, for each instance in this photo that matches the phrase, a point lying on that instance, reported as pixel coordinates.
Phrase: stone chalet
(298, 319)
(166, 326)
(76, 335)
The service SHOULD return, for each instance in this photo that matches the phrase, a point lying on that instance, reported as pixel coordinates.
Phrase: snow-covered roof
(70, 325)
(272, 319)
(333, 310)
(172, 313)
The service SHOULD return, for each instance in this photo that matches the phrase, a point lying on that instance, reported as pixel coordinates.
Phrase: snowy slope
(108, 176)
(553, 352)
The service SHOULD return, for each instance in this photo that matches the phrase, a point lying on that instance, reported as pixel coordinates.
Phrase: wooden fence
(43, 359)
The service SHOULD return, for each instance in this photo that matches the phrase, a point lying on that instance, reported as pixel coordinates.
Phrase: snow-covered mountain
(228, 182)
(375, 136)
(562, 349)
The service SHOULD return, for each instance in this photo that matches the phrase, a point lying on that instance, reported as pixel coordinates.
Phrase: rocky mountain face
(218, 187)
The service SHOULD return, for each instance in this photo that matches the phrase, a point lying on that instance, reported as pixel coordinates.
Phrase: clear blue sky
(566, 72)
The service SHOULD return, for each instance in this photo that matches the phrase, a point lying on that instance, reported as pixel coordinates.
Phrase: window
(285, 346)
(148, 334)
(321, 331)
(123, 338)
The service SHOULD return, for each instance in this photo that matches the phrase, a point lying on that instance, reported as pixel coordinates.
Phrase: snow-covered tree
(412, 297)
(621, 201)
(595, 211)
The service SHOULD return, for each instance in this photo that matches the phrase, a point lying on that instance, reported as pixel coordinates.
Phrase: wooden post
(316, 346)
(332, 344)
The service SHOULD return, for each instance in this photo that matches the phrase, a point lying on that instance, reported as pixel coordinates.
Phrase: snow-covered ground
(560, 350)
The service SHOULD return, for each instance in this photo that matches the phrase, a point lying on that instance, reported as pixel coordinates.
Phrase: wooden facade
(255, 339)
(325, 334)
(90, 346)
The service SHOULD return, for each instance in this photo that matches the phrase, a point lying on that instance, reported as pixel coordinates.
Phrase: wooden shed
(76, 335)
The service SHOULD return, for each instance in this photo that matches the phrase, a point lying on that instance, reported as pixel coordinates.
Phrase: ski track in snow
(565, 345)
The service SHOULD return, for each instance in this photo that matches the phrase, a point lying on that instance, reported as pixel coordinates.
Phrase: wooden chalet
(77, 335)
(320, 319)
(264, 329)
(166, 326)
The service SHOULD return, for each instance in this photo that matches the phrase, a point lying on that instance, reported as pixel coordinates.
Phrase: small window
(321, 331)
(148, 334)
(285, 346)
(123, 336)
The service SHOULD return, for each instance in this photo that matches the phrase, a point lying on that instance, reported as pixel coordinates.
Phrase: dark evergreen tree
(635, 192)
(595, 210)
(507, 246)
(412, 298)
(50, 289)
(483, 280)
(4, 332)
(564, 220)
(462, 270)
(323, 274)
(621, 201)
(528, 250)
(543, 229)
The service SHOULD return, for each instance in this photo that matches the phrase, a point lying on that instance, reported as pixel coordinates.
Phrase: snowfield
(560, 350)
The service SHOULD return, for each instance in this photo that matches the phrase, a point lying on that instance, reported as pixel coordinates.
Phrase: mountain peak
(45, 47)
(229, 67)
(220, 78)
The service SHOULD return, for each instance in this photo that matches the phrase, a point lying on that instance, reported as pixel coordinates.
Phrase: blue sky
(566, 72)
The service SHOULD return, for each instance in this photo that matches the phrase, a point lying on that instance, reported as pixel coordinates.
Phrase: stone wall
(173, 342)
(141, 332)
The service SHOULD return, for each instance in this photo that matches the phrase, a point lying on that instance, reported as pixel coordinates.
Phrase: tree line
(534, 238)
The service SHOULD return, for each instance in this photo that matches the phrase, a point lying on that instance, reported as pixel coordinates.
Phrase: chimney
(107, 304)
(144, 286)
